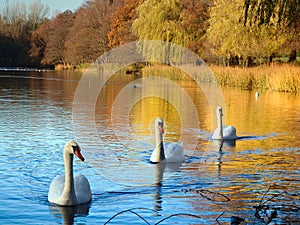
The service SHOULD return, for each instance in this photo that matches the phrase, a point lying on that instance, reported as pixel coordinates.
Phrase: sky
(54, 5)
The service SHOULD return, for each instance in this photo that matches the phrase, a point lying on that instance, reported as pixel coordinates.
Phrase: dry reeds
(277, 77)
(283, 77)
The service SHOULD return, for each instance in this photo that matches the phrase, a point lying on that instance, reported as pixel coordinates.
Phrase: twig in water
(217, 219)
(178, 214)
(214, 195)
(130, 210)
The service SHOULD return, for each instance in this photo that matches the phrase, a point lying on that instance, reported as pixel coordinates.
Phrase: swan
(165, 152)
(223, 132)
(66, 190)
(256, 95)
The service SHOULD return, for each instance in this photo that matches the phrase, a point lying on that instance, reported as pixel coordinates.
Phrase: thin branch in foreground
(130, 210)
(178, 214)
(159, 222)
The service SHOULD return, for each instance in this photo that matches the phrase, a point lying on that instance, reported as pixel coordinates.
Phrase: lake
(255, 178)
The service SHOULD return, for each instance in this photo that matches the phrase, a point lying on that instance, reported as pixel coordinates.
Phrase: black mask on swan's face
(76, 150)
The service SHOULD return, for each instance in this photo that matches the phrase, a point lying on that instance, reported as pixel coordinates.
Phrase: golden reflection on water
(147, 109)
(270, 156)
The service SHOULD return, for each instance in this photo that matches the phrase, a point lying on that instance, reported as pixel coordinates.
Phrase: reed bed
(276, 77)
(282, 77)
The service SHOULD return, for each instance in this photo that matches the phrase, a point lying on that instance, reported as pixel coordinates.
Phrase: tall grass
(165, 71)
(278, 77)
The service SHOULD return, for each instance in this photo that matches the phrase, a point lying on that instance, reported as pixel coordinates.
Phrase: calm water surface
(250, 178)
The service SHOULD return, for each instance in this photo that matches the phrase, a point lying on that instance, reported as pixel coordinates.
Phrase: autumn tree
(37, 14)
(194, 21)
(17, 22)
(87, 39)
(121, 23)
(55, 38)
(38, 43)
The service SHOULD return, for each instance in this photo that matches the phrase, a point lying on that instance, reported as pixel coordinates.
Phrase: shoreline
(280, 77)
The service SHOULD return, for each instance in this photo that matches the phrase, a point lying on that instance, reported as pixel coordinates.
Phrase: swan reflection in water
(219, 145)
(161, 169)
(68, 213)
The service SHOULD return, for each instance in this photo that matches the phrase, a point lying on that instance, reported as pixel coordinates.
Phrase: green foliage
(231, 38)
(180, 22)
(157, 20)
(283, 13)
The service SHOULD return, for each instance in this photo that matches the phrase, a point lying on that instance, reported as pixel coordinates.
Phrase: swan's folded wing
(82, 189)
(56, 188)
(229, 133)
(174, 152)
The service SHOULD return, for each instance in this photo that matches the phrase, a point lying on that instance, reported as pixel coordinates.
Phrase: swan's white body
(165, 152)
(256, 95)
(223, 132)
(67, 190)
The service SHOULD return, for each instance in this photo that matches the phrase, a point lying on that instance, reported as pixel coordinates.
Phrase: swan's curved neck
(159, 145)
(69, 190)
(220, 126)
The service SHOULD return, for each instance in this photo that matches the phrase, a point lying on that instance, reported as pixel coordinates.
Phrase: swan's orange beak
(78, 154)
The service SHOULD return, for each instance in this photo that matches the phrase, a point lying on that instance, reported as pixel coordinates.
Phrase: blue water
(36, 122)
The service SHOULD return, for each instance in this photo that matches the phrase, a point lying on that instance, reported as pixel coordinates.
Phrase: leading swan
(223, 132)
(65, 190)
(164, 152)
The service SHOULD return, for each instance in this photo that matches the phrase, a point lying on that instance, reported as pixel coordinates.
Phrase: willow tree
(181, 22)
(283, 14)
(157, 20)
(264, 11)
(232, 40)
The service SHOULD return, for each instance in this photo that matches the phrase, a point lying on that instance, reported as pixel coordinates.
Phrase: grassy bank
(281, 77)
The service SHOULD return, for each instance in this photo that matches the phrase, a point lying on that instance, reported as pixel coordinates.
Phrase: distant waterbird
(256, 95)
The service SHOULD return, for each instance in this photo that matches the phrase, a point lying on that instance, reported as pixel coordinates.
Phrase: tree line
(231, 32)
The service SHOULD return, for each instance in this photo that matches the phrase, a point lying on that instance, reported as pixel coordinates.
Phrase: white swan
(172, 152)
(256, 95)
(65, 190)
(223, 132)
